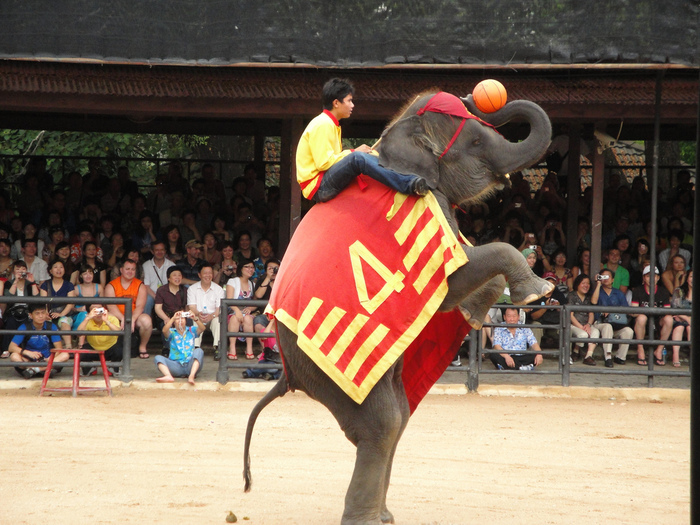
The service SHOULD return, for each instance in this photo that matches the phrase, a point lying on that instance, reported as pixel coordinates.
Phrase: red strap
(454, 137)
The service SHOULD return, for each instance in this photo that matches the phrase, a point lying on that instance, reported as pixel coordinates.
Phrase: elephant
(463, 160)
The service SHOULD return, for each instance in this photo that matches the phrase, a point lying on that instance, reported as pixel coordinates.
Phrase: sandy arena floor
(175, 457)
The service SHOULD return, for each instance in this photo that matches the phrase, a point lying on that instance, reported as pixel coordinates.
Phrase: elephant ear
(406, 149)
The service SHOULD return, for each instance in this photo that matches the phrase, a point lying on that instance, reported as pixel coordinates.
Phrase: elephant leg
(476, 305)
(402, 403)
(487, 261)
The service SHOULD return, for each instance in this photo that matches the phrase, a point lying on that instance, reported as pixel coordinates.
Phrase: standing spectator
(662, 299)
(514, 338)
(100, 320)
(622, 276)
(35, 265)
(36, 348)
(682, 298)
(612, 324)
(155, 273)
(57, 286)
(129, 287)
(170, 298)
(186, 358)
(204, 301)
(581, 321)
(242, 318)
(192, 264)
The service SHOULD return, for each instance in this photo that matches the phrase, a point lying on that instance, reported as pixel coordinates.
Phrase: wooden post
(290, 192)
(597, 206)
(573, 191)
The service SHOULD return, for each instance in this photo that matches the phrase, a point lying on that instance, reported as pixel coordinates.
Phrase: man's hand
(538, 359)
(509, 360)
(364, 148)
(31, 354)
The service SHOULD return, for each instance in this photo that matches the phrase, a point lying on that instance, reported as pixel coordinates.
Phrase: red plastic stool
(75, 387)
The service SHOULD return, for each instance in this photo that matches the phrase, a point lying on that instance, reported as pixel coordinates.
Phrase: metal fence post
(222, 373)
(125, 375)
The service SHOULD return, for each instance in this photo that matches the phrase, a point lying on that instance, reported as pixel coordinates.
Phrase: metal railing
(125, 364)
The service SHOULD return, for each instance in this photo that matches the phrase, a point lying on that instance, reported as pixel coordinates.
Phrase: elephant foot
(530, 290)
(386, 516)
(347, 521)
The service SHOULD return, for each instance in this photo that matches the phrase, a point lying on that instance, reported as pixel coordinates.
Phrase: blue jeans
(179, 370)
(343, 172)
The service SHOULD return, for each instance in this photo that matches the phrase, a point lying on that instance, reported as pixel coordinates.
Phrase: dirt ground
(175, 457)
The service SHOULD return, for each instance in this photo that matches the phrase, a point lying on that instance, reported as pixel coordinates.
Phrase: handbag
(617, 320)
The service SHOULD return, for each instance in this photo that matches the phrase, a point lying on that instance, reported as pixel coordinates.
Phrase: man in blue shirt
(514, 338)
(35, 348)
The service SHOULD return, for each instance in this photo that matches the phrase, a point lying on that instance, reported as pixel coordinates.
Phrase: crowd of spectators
(535, 224)
(170, 248)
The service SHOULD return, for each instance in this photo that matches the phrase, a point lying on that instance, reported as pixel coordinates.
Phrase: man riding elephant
(324, 168)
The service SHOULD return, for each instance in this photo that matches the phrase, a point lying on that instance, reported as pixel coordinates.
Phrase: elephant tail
(279, 390)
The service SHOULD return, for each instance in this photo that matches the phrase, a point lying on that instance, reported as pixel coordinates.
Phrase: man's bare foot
(190, 380)
(165, 379)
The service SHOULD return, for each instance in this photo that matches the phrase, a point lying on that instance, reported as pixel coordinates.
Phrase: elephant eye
(476, 142)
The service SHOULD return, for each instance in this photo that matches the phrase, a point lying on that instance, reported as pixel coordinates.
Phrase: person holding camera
(228, 268)
(185, 359)
(22, 285)
(99, 319)
(612, 325)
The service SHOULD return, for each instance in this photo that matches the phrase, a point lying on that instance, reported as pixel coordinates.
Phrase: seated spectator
(204, 301)
(662, 299)
(211, 254)
(266, 253)
(86, 288)
(674, 276)
(100, 320)
(186, 358)
(118, 250)
(36, 348)
(245, 249)
(241, 318)
(583, 266)
(552, 236)
(623, 244)
(169, 299)
(188, 230)
(144, 234)
(581, 321)
(128, 286)
(5, 260)
(514, 338)
(675, 237)
(22, 285)
(192, 264)
(57, 286)
(90, 258)
(155, 273)
(220, 230)
(682, 298)
(104, 238)
(262, 292)
(56, 236)
(622, 276)
(561, 271)
(548, 316)
(84, 235)
(639, 259)
(35, 265)
(174, 248)
(29, 231)
(612, 325)
(228, 267)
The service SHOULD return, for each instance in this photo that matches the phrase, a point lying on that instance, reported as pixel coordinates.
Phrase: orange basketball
(489, 95)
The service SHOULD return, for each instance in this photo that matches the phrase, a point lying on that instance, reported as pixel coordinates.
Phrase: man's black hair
(336, 89)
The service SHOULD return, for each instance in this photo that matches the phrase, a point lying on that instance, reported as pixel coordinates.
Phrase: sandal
(5, 355)
(642, 362)
(659, 362)
(143, 355)
(250, 356)
(232, 357)
(677, 364)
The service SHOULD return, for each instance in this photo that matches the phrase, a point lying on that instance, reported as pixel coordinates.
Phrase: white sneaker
(457, 362)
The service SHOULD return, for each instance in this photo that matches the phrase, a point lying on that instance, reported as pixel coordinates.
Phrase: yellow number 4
(392, 281)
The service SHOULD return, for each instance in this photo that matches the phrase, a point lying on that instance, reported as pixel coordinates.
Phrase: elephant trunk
(516, 156)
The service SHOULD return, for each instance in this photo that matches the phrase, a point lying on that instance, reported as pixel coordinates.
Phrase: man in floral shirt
(514, 338)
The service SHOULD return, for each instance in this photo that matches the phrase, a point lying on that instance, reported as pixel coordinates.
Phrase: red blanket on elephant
(361, 283)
